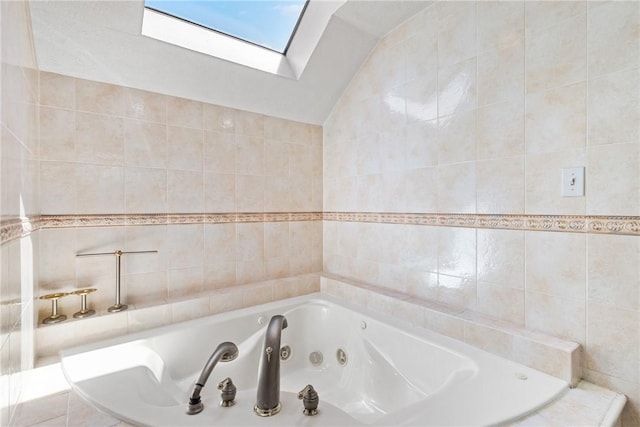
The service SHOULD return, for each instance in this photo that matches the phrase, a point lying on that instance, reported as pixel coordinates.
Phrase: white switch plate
(573, 182)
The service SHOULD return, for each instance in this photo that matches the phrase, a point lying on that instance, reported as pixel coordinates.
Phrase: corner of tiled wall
(474, 108)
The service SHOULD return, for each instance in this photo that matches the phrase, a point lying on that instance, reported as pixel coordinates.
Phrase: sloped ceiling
(101, 40)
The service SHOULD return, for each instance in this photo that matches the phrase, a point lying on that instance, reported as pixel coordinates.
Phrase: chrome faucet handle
(310, 400)
(227, 392)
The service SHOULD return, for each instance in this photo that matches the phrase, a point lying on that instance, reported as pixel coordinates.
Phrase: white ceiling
(101, 40)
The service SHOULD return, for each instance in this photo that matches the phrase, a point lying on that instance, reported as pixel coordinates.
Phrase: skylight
(266, 23)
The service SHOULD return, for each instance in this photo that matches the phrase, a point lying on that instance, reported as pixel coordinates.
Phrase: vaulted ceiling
(101, 40)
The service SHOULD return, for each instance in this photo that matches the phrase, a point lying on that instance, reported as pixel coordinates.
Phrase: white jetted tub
(367, 369)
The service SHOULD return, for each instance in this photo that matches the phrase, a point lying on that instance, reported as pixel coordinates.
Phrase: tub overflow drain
(285, 352)
(341, 355)
(315, 358)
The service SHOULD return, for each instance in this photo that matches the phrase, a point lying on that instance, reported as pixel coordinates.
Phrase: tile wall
(474, 107)
(19, 199)
(111, 150)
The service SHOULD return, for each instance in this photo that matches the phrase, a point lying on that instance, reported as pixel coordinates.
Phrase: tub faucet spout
(268, 399)
(225, 352)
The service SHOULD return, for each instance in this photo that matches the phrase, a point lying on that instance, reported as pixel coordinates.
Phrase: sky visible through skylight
(266, 23)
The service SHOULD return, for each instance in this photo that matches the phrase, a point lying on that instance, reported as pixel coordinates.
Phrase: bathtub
(368, 369)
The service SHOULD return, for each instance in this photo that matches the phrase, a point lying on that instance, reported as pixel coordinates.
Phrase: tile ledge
(554, 356)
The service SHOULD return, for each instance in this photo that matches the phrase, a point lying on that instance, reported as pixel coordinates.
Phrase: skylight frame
(205, 27)
(183, 34)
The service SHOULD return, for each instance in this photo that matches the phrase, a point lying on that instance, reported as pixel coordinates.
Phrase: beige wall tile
(250, 242)
(612, 269)
(250, 124)
(99, 139)
(276, 158)
(501, 302)
(301, 162)
(367, 240)
(250, 272)
(220, 152)
(185, 281)
(491, 340)
(557, 316)
(614, 108)
(612, 38)
(101, 98)
(57, 256)
(145, 190)
(422, 190)
(145, 144)
(219, 192)
(57, 134)
(57, 188)
(391, 146)
(456, 31)
(499, 24)
(556, 119)
(500, 130)
(422, 284)
(457, 87)
(276, 240)
(422, 147)
(392, 241)
(219, 119)
(188, 246)
(501, 257)
(250, 193)
(500, 186)
(613, 174)
(501, 74)
(456, 188)
(99, 189)
(220, 243)
(145, 105)
(57, 90)
(278, 197)
(184, 113)
(457, 251)
(457, 292)
(185, 148)
(422, 92)
(185, 191)
(457, 138)
(368, 155)
(249, 155)
(556, 55)
(219, 274)
(544, 14)
(277, 268)
(613, 328)
(393, 108)
(547, 269)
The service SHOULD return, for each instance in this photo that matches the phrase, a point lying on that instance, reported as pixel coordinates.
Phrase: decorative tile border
(622, 225)
(619, 225)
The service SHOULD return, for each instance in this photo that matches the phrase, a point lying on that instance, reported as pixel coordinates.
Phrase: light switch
(573, 182)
